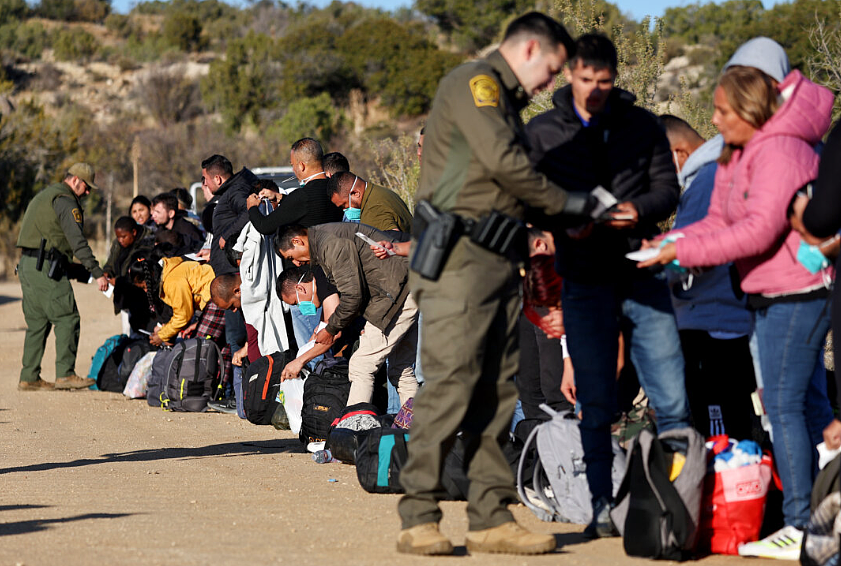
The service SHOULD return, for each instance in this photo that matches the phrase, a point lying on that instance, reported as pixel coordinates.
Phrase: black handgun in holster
(437, 234)
(58, 265)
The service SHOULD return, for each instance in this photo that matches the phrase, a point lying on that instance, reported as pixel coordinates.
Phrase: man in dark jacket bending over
(374, 289)
(596, 136)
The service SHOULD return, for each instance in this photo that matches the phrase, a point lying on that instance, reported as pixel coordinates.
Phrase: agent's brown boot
(509, 538)
(73, 382)
(423, 539)
(37, 385)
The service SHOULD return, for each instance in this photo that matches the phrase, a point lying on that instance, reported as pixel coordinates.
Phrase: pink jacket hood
(747, 222)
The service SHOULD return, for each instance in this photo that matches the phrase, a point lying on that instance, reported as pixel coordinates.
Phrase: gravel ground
(89, 477)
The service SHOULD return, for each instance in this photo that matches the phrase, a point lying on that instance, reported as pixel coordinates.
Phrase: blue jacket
(710, 303)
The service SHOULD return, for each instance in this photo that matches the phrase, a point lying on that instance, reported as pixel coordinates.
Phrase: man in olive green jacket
(55, 215)
(474, 162)
(376, 290)
(380, 207)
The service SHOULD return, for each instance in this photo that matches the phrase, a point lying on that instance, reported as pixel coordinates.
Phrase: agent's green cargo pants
(46, 304)
(470, 354)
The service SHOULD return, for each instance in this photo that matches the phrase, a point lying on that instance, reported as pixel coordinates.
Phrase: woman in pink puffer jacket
(770, 132)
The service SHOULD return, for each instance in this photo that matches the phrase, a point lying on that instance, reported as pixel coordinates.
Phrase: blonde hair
(753, 96)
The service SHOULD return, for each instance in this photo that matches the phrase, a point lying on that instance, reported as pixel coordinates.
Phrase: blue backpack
(102, 354)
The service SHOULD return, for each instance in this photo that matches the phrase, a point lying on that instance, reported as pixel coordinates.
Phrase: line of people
(734, 295)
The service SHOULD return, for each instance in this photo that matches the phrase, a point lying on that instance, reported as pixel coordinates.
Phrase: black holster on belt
(58, 265)
(439, 231)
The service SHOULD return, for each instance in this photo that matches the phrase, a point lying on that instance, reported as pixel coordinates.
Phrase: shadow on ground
(23, 527)
(4, 299)
(213, 451)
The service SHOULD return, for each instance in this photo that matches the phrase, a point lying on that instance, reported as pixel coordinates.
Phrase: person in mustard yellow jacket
(183, 285)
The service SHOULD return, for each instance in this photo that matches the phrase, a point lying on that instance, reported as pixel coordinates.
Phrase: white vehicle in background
(283, 176)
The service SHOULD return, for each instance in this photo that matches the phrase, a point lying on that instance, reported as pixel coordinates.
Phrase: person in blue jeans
(597, 137)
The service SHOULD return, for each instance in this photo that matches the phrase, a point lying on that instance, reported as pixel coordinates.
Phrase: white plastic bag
(136, 385)
(292, 396)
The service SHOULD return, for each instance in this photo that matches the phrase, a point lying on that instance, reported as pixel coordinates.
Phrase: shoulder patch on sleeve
(77, 215)
(485, 91)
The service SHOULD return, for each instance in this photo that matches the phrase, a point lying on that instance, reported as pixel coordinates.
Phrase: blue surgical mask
(352, 214)
(811, 258)
(307, 308)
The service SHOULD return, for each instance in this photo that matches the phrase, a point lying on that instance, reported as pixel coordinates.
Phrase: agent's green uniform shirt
(56, 215)
(475, 157)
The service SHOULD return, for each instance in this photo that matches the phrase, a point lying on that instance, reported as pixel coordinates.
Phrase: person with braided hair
(182, 285)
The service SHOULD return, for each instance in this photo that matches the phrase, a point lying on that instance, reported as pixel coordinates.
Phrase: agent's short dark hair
(218, 165)
(168, 200)
(183, 195)
(337, 184)
(126, 223)
(334, 162)
(308, 150)
(548, 31)
(283, 238)
(142, 200)
(287, 280)
(594, 50)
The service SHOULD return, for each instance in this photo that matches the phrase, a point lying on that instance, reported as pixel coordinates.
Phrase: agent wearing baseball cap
(54, 217)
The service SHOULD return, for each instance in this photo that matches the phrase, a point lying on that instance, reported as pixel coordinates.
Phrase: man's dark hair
(168, 238)
(548, 31)
(233, 256)
(218, 165)
(334, 162)
(168, 200)
(223, 286)
(261, 184)
(183, 195)
(338, 182)
(126, 223)
(680, 128)
(308, 150)
(142, 200)
(287, 280)
(594, 50)
(283, 238)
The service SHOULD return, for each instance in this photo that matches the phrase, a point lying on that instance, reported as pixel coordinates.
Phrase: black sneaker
(228, 406)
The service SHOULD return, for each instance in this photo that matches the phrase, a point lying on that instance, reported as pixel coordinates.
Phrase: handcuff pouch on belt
(438, 232)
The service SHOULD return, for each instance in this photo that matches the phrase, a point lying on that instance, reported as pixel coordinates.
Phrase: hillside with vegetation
(172, 82)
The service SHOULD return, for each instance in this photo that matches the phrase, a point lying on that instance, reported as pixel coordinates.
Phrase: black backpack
(260, 387)
(108, 378)
(326, 392)
(132, 352)
(183, 378)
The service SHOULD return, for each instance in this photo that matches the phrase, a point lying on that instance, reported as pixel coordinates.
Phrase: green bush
(13, 10)
(91, 10)
(62, 10)
(74, 45)
(471, 24)
(28, 39)
(182, 30)
(310, 117)
(121, 25)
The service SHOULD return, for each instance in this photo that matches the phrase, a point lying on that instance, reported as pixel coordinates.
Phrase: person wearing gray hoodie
(713, 322)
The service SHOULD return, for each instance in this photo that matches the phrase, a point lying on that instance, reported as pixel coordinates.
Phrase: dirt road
(89, 477)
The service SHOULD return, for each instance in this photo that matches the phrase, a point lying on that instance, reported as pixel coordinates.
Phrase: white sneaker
(783, 545)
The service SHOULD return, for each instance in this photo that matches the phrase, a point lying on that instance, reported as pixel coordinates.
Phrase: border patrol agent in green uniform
(55, 218)
(475, 162)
